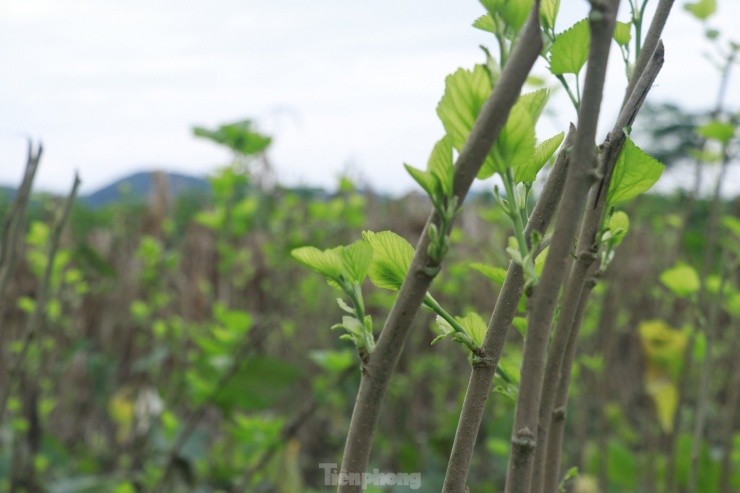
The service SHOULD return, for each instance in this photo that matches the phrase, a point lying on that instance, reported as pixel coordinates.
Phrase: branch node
(431, 270)
(524, 439)
(482, 360)
(559, 413)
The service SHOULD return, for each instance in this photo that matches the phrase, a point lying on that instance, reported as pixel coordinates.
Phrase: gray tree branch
(581, 175)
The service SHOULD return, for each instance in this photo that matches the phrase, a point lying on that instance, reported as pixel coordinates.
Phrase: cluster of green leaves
(345, 268)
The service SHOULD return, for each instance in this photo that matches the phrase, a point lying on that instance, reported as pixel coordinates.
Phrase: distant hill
(139, 186)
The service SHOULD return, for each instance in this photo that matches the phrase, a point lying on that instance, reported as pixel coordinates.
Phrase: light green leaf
(622, 33)
(534, 102)
(465, 93)
(493, 69)
(423, 178)
(492, 6)
(514, 147)
(475, 326)
(326, 262)
(619, 225)
(702, 9)
(392, 256)
(539, 262)
(570, 50)
(521, 325)
(234, 320)
(634, 173)
(717, 130)
(542, 154)
(440, 165)
(438, 178)
(495, 274)
(549, 12)
(356, 259)
(333, 361)
(681, 279)
(444, 325)
(486, 23)
(515, 12)
(700, 347)
(732, 223)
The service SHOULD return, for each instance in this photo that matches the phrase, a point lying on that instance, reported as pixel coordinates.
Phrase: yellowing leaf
(121, 408)
(664, 349)
(663, 345)
(664, 394)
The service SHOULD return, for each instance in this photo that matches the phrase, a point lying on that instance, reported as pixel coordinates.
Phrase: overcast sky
(114, 87)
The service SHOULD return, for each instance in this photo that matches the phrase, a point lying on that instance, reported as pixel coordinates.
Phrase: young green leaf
(717, 130)
(486, 23)
(392, 256)
(534, 102)
(423, 178)
(732, 223)
(570, 50)
(333, 361)
(520, 323)
(495, 274)
(539, 262)
(515, 13)
(465, 93)
(475, 326)
(634, 173)
(437, 179)
(493, 69)
(681, 279)
(492, 6)
(542, 153)
(356, 259)
(702, 9)
(622, 33)
(514, 147)
(549, 12)
(619, 224)
(441, 166)
(327, 262)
